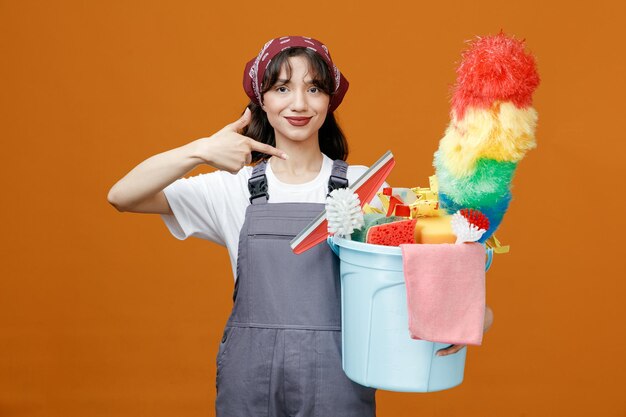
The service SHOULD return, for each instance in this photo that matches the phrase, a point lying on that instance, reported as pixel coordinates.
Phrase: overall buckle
(258, 187)
(335, 182)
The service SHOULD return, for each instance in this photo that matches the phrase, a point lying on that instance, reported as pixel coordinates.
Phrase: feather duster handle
(343, 212)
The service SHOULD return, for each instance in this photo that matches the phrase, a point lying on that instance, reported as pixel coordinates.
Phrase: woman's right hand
(141, 190)
(229, 150)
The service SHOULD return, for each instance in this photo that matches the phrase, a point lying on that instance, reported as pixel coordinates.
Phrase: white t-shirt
(212, 206)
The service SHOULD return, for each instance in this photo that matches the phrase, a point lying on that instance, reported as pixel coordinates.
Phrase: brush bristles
(343, 212)
(464, 229)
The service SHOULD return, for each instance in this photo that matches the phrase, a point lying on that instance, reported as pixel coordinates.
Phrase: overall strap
(257, 184)
(338, 176)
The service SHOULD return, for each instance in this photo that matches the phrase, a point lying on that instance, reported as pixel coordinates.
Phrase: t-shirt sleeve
(193, 204)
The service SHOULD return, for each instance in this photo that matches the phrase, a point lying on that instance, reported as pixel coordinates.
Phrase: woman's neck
(304, 163)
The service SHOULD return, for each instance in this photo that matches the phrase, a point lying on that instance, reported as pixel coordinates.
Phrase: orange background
(107, 314)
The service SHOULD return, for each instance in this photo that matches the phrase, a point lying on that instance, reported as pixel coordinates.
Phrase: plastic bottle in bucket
(377, 349)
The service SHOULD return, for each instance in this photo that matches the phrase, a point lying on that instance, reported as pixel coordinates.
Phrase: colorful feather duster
(492, 127)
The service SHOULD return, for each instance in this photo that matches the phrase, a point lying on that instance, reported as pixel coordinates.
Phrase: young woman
(281, 349)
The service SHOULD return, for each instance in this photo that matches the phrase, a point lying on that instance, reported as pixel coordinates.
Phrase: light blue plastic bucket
(377, 349)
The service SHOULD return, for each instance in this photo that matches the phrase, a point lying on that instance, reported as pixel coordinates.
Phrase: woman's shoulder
(355, 171)
(358, 168)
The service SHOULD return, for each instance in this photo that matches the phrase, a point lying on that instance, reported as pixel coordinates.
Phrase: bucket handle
(333, 245)
(489, 259)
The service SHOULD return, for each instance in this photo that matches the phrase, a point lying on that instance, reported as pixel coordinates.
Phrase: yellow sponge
(434, 230)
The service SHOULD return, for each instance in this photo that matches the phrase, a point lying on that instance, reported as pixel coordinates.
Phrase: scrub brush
(469, 225)
(343, 212)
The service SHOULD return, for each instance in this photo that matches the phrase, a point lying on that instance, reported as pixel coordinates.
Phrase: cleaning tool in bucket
(492, 126)
(343, 212)
(469, 225)
(365, 188)
(377, 350)
(392, 234)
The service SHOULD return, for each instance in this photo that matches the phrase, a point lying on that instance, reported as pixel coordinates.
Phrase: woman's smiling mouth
(298, 121)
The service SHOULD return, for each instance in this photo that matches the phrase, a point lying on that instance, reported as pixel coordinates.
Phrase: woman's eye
(281, 89)
(314, 90)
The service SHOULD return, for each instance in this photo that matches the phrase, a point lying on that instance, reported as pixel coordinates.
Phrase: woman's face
(296, 108)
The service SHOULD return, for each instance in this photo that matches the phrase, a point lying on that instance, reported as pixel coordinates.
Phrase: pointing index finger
(267, 149)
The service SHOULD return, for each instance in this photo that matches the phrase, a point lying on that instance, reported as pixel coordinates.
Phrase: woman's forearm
(225, 150)
(153, 175)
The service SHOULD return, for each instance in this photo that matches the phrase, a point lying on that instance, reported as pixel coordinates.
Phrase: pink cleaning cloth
(445, 288)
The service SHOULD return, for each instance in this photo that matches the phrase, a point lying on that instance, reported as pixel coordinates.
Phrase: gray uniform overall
(280, 354)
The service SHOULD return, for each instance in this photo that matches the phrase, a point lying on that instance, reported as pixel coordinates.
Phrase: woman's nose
(299, 102)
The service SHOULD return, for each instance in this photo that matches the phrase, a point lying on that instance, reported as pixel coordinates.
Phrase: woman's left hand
(455, 348)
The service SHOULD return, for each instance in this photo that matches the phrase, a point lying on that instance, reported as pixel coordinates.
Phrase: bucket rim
(367, 247)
